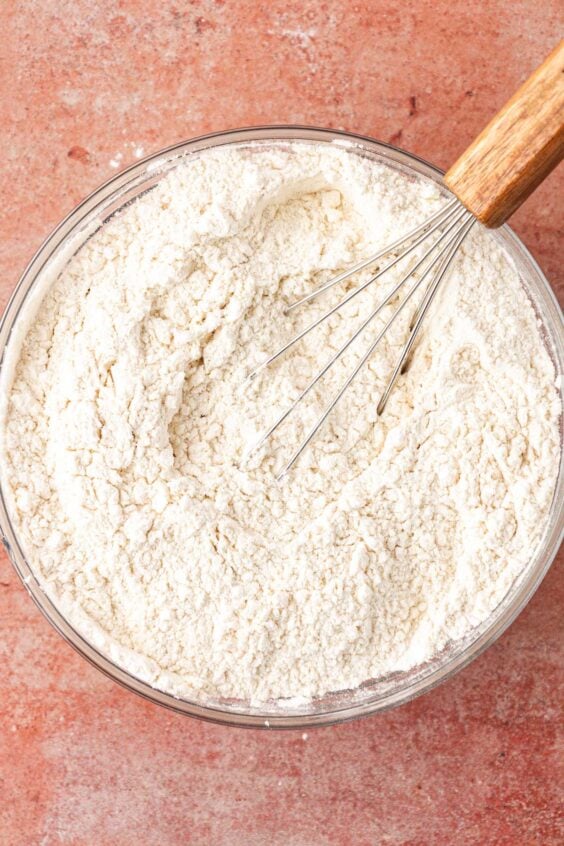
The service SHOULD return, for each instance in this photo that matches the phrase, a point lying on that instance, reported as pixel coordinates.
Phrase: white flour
(126, 424)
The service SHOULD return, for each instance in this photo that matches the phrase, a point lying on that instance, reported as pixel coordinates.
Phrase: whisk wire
(282, 417)
(421, 312)
(457, 210)
(438, 218)
(446, 256)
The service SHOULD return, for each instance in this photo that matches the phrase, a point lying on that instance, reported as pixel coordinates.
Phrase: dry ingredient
(125, 429)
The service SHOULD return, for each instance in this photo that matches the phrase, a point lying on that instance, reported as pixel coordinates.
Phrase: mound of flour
(124, 428)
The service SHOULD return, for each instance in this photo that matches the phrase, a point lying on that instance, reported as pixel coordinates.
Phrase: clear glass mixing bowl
(372, 696)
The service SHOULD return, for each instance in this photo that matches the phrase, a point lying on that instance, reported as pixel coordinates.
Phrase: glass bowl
(372, 696)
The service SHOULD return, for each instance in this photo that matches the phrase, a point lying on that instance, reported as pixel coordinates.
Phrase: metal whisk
(510, 158)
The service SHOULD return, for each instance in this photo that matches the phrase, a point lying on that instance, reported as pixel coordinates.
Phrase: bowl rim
(496, 625)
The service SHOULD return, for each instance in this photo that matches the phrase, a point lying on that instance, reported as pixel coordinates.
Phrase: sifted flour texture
(125, 429)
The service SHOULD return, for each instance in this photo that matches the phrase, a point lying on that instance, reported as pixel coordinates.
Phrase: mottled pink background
(88, 87)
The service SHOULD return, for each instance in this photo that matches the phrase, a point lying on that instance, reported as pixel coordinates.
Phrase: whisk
(506, 162)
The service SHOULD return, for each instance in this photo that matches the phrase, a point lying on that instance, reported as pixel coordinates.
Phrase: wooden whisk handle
(517, 149)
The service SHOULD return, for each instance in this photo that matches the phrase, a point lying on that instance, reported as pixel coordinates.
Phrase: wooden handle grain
(517, 149)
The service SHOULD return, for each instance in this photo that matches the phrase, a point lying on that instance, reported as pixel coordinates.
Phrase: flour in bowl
(125, 427)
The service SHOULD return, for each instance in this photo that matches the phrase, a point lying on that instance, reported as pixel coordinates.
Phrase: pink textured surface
(86, 88)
